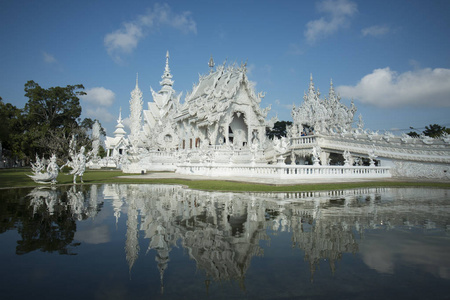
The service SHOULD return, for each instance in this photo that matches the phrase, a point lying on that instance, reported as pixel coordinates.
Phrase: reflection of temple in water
(222, 231)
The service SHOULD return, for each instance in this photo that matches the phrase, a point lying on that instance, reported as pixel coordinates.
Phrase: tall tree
(54, 107)
(51, 117)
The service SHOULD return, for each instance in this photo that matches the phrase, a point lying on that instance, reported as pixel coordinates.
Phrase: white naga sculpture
(45, 177)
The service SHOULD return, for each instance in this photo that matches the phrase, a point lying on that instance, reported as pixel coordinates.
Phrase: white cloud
(338, 13)
(387, 88)
(126, 122)
(101, 113)
(48, 58)
(99, 96)
(376, 30)
(126, 39)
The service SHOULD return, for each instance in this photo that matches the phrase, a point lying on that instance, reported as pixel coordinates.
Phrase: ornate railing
(304, 140)
(284, 171)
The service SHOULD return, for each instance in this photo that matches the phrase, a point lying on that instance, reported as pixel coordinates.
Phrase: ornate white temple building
(220, 130)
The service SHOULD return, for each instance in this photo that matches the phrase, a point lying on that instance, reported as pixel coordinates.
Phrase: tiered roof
(216, 91)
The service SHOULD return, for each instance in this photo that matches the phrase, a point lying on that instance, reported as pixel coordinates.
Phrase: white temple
(220, 130)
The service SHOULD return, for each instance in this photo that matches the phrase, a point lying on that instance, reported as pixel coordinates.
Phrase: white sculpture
(347, 158)
(45, 177)
(372, 157)
(316, 152)
(77, 161)
(78, 165)
(38, 166)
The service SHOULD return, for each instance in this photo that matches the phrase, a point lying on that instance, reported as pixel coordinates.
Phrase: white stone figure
(51, 172)
(406, 138)
(388, 136)
(280, 146)
(347, 158)
(38, 166)
(78, 165)
(316, 152)
(372, 157)
(445, 137)
(426, 139)
(254, 150)
(360, 123)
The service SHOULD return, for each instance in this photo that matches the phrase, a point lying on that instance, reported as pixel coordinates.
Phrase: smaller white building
(116, 146)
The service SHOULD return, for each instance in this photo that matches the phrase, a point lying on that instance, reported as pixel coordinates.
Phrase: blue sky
(391, 57)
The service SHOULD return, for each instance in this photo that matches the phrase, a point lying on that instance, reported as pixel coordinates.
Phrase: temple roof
(216, 91)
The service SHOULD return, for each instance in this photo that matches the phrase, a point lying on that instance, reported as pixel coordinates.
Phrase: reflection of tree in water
(222, 231)
(46, 217)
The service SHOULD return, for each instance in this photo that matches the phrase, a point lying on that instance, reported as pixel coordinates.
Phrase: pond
(125, 241)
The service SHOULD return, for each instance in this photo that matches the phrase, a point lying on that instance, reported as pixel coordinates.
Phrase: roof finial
(120, 115)
(137, 77)
(166, 77)
(331, 81)
(310, 77)
(167, 69)
(211, 64)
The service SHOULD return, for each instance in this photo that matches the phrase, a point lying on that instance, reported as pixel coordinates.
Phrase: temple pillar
(227, 134)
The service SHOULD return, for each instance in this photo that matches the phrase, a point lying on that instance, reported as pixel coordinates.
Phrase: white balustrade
(285, 171)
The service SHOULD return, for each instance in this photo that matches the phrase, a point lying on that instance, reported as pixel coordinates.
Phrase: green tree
(11, 127)
(50, 117)
(279, 129)
(434, 130)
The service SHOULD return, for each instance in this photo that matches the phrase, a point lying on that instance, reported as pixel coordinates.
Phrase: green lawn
(17, 178)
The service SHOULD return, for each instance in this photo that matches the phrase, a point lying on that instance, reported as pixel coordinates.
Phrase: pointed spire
(119, 127)
(311, 89)
(211, 64)
(137, 79)
(167, 69)
(166, 82)
(119, 121)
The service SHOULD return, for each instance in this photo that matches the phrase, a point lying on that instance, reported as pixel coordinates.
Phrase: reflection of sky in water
(385, 250)
(125, 241)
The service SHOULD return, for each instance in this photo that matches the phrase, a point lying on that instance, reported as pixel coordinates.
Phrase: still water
(168, 242)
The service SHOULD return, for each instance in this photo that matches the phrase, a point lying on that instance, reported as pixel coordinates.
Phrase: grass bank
(12, 178)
